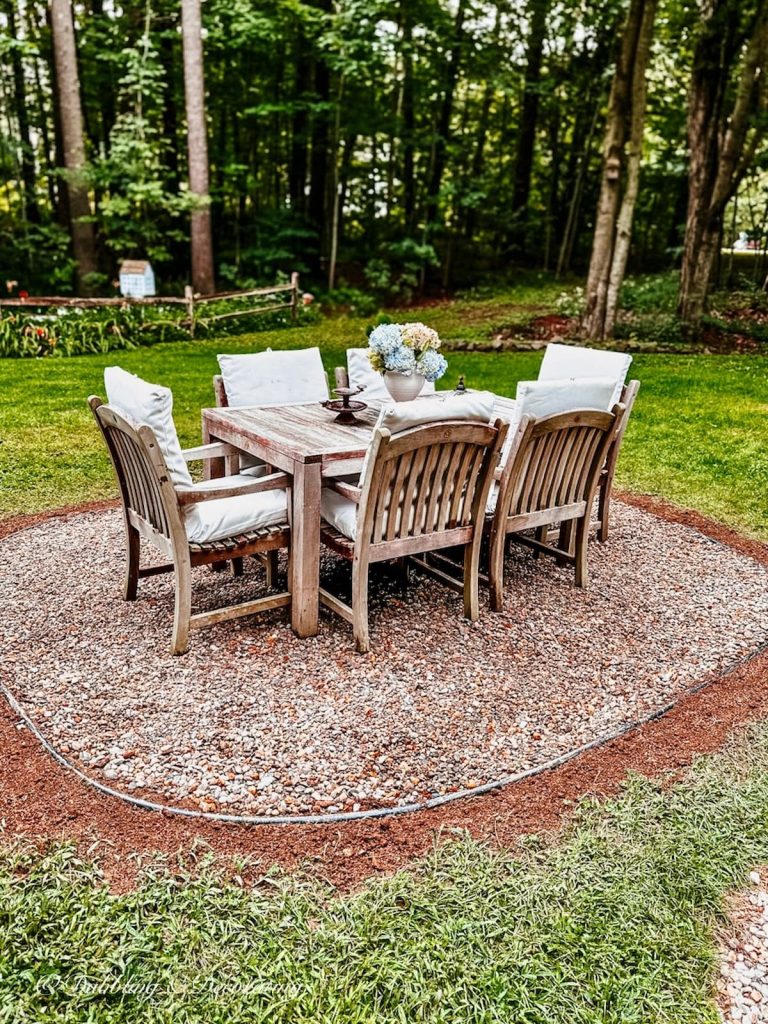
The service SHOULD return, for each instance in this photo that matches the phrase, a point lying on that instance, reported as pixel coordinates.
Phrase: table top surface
(303, 433)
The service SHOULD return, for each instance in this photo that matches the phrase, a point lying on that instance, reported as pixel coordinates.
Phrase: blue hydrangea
(385, 338)
(401, 360)
(432, 365)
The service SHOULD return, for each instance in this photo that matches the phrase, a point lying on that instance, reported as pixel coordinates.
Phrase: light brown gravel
(255, 721)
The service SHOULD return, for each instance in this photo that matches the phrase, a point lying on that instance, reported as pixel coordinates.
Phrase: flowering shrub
(407, 349)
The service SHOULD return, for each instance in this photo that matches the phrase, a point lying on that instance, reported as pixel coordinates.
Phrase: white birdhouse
(137, 279)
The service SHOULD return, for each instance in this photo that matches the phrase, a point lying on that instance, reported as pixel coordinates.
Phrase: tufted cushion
(150, 405)
(227, 517)
(562, 361)
(289, 377)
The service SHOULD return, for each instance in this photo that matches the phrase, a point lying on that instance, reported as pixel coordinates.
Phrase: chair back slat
(557, 461)
(140, 470)
(427, 480)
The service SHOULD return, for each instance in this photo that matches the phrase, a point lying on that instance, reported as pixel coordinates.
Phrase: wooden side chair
(550, 479)
(212, 522)
(421, 489)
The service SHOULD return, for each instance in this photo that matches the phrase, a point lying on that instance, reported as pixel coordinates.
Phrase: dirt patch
(41, 800)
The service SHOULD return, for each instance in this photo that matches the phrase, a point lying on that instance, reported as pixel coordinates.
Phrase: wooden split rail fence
(192, 302)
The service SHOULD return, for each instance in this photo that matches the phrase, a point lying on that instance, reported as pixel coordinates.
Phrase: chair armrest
(346, 490)
(216, 450)
(263, 483)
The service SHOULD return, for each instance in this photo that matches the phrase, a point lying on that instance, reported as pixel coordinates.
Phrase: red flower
(23, 295)
(40, 332)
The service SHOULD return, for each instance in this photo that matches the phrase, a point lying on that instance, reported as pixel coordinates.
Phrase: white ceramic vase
(403, 387)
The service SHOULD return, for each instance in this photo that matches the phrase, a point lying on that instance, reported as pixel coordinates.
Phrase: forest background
(398, 146)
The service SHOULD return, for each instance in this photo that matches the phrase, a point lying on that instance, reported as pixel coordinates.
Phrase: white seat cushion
(562, 361)
(286, 377)
(339, 511)
(151, 405)
(227, 517)
(360, 371)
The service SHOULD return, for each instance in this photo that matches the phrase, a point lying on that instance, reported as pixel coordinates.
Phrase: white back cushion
(150, 405)
(360, 371)
(546, 397)
(289, 377)
(561, 361)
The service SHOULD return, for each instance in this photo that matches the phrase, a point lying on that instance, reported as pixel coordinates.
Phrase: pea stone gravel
(742, 985)
(255, 721)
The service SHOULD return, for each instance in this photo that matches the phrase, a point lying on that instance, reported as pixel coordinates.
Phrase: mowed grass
(613, 924)
(698, 435)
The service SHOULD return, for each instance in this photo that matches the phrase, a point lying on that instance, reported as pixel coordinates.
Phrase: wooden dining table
(306, 442)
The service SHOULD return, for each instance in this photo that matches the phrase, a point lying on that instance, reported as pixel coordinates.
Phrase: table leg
(305, 548)
(212, 468)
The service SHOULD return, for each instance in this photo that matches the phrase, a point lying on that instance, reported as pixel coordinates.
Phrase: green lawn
(613, 924)
(698, 434)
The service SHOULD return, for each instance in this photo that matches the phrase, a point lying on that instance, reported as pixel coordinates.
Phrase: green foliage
(395, 272)
(612, 924)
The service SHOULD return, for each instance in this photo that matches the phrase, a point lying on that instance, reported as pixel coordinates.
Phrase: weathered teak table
(304, 441)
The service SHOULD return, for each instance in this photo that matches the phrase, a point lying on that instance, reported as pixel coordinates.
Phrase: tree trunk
(526, 140)
(197, 147)
(719, 142)
(613, 223)
(73, 144)
(409, 122)
(28, 172)
(443, 133)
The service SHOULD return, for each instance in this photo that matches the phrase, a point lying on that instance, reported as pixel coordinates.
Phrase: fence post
(189, 295)
(294, 296)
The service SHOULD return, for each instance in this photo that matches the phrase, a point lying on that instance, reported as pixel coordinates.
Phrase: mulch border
(43, 801)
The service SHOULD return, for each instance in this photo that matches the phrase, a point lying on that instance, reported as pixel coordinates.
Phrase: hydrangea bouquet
(407, 349)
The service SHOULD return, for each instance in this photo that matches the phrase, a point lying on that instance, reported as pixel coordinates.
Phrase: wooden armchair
(550, 479)
(422, 489)
(160, 513)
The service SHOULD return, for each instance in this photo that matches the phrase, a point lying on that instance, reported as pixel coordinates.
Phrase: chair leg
(542, 533)
(183, 605)
(237, 567)
(132, 556)
(270, 565)
(496, 550)
(565, 540)
(360, 606)
(471, 582)
(582, 546)
(603, 510)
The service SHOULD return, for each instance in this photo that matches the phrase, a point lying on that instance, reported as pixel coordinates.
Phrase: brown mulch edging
(42, 800)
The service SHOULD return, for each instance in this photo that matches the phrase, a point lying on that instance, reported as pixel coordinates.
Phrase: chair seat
(339, 512)
(223, 518)
(232, 545)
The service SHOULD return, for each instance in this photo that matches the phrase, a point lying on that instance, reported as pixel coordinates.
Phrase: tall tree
(723, 134)
(197, 147)
(28, 173)
(622, 153)
(526, 140)
(73, 144)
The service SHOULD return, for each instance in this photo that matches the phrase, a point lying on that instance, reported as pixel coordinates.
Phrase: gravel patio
(256, 722)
